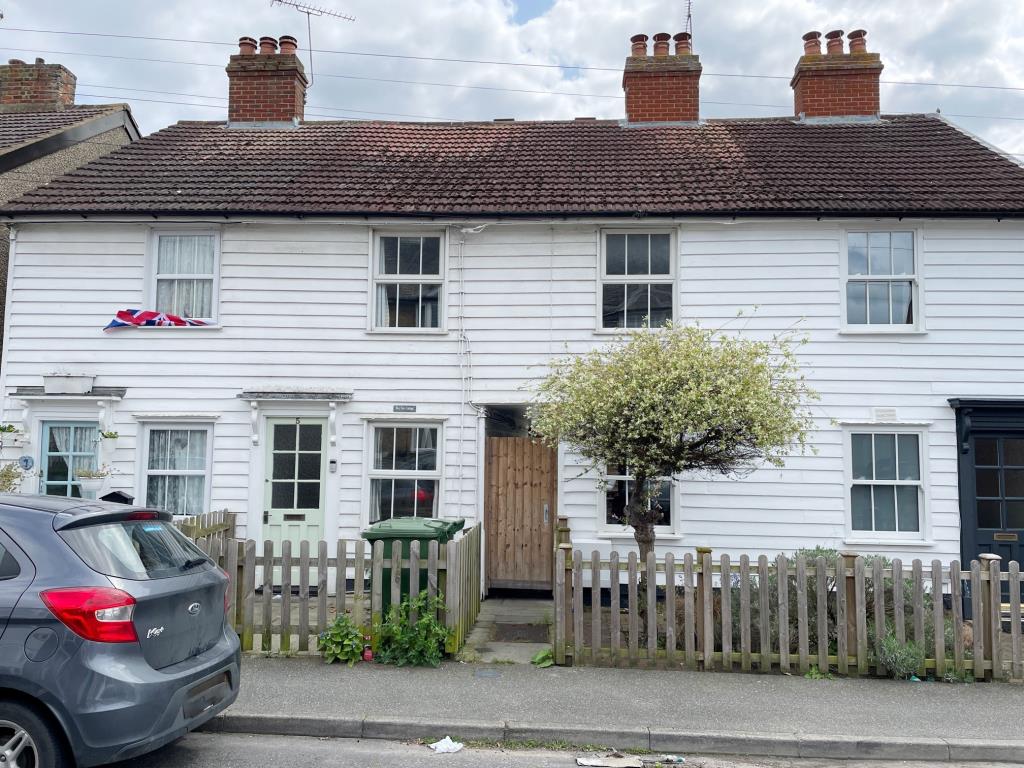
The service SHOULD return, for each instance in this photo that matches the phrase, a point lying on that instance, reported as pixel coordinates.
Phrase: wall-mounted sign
(404, 409)
(26, 462)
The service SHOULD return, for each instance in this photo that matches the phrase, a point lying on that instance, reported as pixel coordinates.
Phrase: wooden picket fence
(283, 599)
(212, 525)
(779, 615)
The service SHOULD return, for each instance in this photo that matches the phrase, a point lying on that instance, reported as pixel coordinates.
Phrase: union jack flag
(128, 318)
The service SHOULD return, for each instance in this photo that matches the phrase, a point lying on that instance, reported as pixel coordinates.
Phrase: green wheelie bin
(404, 531)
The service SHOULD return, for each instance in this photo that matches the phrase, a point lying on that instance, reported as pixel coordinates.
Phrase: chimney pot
(684, 44)
(834, 42)
(839, 84)
(40, 61)
(812, 44)
(15, 62)
(268, 88)
(289, 45)
(662, 88)
(639, 47)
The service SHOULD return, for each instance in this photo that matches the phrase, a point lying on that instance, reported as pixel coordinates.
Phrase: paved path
(203, 750)
(670, 711)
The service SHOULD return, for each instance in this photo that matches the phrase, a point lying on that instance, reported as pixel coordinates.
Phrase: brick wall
(662, 88)
(837, 85)
(35, 85)
(266, 88)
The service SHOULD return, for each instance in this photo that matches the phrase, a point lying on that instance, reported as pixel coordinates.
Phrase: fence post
(992, 615)
(562, 536)
(848, 562)
(566, 581)
(561, 621)
(702, 553)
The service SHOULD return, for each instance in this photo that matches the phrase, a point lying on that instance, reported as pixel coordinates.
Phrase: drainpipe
(465, 364)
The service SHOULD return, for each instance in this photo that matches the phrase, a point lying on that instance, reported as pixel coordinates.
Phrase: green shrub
(420, 643)
(901, 660)
(341, 641)
(544, 659)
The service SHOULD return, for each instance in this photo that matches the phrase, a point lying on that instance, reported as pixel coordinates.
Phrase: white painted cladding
(294, 299)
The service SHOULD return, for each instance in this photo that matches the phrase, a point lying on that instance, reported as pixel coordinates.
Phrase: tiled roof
(914, 164)
(18, 128)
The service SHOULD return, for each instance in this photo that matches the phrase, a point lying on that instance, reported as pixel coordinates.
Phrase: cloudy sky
(971, 42)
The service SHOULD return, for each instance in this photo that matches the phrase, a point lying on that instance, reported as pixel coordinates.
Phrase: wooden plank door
(520, 512)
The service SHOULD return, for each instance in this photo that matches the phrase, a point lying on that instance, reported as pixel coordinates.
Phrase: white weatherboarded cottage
(378, 298)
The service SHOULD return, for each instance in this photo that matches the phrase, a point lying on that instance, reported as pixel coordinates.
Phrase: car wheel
(26, 740)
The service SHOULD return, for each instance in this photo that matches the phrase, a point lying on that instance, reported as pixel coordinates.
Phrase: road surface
(210, 750)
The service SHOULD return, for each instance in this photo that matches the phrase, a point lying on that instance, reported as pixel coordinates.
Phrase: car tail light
(142, 516)
(101, 614)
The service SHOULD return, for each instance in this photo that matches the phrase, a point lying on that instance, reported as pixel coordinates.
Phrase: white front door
(295, 482)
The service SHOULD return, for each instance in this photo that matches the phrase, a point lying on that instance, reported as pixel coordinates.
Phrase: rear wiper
(188, 565)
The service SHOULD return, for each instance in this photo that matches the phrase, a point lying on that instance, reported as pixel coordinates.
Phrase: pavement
(675, 712)
(501, 617)
(205, 750)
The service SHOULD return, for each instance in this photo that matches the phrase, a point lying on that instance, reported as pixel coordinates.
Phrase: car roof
(58, 505)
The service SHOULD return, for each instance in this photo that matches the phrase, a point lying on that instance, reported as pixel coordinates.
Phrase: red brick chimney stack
(268, 86)
(837, 84)
(27, 87)
(663, 87)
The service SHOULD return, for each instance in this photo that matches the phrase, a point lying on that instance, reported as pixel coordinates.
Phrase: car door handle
(266, 517)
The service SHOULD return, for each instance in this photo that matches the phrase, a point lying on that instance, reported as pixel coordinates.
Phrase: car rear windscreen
(134, 549)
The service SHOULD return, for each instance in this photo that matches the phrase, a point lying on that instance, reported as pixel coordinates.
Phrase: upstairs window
(637, 280)
(408, 282)
(886, 489)
(881, 280)
(186, 275)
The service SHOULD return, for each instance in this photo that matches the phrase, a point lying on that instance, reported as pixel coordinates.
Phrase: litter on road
(446, 745)
(611, 760)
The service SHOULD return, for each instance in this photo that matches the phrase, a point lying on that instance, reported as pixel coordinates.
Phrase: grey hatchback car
(113, 639)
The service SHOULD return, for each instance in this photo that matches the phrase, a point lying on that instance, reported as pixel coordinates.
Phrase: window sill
(869, 542)
(624, 331)
(628, 536)
(882, 331)
(209, 327)
(407, 332)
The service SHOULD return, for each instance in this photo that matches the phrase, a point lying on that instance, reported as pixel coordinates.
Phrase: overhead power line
(419, 82)
(322, 74)
(342, 109)
(495, 62)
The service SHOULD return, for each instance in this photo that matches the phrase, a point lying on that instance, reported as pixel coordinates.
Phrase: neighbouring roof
(26, 135)
(906, 164)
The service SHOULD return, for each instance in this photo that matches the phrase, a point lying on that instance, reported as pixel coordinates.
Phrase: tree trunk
(638, 515)
(643, 532)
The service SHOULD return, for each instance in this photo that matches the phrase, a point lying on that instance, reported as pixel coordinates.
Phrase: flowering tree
(677, 400)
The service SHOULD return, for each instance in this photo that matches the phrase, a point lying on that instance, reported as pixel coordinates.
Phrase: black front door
(990, 443)
(993, 515)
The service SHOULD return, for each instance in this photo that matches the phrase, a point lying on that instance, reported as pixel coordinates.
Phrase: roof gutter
(16, 216)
